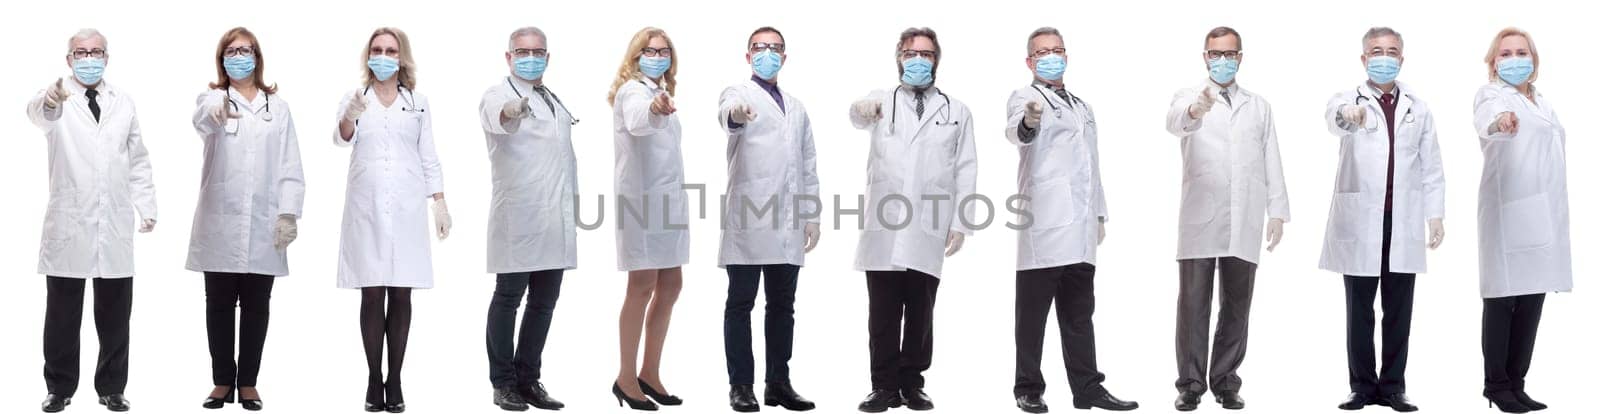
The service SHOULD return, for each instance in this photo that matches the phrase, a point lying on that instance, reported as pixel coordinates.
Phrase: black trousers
(1072, 289)
(900, 353)
(1195, 280)
(63, 320)
(517, 364)
(1509, 327)
(743, 281)
(252, 293)
(1359, 294)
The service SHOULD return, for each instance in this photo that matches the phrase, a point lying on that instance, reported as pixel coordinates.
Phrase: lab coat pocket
(1525, 224)
(1052, 204)
(1347, 216)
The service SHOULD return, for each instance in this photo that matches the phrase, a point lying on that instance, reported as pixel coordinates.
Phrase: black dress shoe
(916, 400)
(881, 400)
(1507, 401)
(393, 400)
(1522, 397)
(216, 402)
(1187, 401)
(1398, 402)
(250, 405)
(537, 397)
(1032, 403)
(1105, 402)
(743, 398)
(115, 402)
(1229, 399)
(783, 394)
(55, 403)
(660, 397)
(507, 399)
(1356, 401)
(642, 404)
(374, 397)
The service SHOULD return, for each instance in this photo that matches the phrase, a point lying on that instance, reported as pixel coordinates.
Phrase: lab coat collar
(761, 86)
(647, 81)
(253, 105)
(1049, 93)
(74, 88)
(1237, 96)
(934, 106)
(1402, 94)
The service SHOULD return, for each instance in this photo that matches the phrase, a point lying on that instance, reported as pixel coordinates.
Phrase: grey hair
(1378, 32)
(86, 34)
(1042, 31)
(526, 31)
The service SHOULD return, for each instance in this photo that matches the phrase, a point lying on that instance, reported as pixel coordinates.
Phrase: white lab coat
(1059, 170)
(769, 159)
(99, 177)
(531, 222)
(1353, 243)
(249, 178)
(393, 172)
(1232, 175)
(1524, 235)
(652, 206)
(934, 157)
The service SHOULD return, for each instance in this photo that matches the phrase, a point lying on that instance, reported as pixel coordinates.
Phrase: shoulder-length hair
(1494, 50)
(258, 77)
(629, 69)
(408, 67)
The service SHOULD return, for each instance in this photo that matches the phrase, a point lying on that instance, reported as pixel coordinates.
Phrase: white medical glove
(357, 105)
(285, 232)
(516, 109)
(441, 218)
(1274, 233)
(662, 105)
(1102, 239)
(868, 109)
(1507, 123)
(813, 234)
(952, 244)
(1354, 115)
(147, 225)
(1435, 233)
(742, 113)
(1203, 104)
(57, 94)
(1031, 114)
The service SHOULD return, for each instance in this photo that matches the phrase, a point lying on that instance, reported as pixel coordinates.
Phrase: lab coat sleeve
(1432, 170)
(432, 172)
(868, 123)
(730, 98)
(636, 115)
(1094, 165)
(489, 113)
(1486, 110)
(966, 171)
(291, 180)
(811, 185)
(1337, 125)
(1016, 109)
(204, 106)
(141, 185)
(339, 118)
(1178, 121)
(1277, 191)
(42, 116)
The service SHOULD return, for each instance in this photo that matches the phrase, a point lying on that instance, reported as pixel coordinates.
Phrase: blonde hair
(1494, 50)
(408, 67)
(257, 77)
(629, 69)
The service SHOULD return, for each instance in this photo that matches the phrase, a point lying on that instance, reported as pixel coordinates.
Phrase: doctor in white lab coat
(652, 209)
(1524, 235)
(99, 178)
(770, 219)
(922, 161)
(1390, 181)
(1059, 171)
(251, 192)
(383, 245)
(532, 231)
(1232, 182)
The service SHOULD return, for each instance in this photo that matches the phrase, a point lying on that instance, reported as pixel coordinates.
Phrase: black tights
(375, 323)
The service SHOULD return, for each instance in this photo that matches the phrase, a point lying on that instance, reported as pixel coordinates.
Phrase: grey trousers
(1195, 280)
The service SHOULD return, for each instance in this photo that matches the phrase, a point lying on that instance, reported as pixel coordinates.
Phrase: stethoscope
(264, 117)
(409, 96)
(894, 103)
(552, 96)
(1361, 100)
(1053, 106)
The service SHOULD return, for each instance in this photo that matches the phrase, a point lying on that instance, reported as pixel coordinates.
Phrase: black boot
(1507, 401)
(783, 394)
(743, 398)
(1522, 397)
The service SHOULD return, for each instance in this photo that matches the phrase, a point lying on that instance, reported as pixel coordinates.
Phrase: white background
(1126, 58)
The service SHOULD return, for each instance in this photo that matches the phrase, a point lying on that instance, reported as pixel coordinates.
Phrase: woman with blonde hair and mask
(251, 191)
(383, 245)
(648, 179)
(1524, 241)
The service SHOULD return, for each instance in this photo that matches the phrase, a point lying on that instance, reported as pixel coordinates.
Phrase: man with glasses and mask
(532, 227)
(1059, 172)
(99, 178)
(767, 230)
(921, 178)
(1232, 182)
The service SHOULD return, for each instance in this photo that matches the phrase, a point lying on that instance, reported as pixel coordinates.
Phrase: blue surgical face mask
(1223, 70)
(766, 64)
(1383, 69)
(529, 68)
(1515, 71)
(239, 67)
(383, 67)
(89, 70)
(917, 71)
(1050, 68)
(654, 67)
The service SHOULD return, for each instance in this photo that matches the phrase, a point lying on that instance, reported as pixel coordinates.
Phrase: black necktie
(94, 106)
(544, 94)
(1062, 92)
(919, 105)
(1225, 97)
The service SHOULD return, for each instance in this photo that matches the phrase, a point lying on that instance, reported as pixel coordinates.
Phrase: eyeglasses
(85, 53)
(1376, 52)
(246, 51)
(522, 53)
(1047, 52)
(654, 52)
(761, 47)
(379, 51)
(909, 54)
(1218, 54)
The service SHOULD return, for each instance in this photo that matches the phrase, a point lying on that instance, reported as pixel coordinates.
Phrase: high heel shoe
(660, 397)
(394, 401)
(1522, 397)
(374, 397)
(641, 405)
(215, 403)
(1506, 400)
(250, 404)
